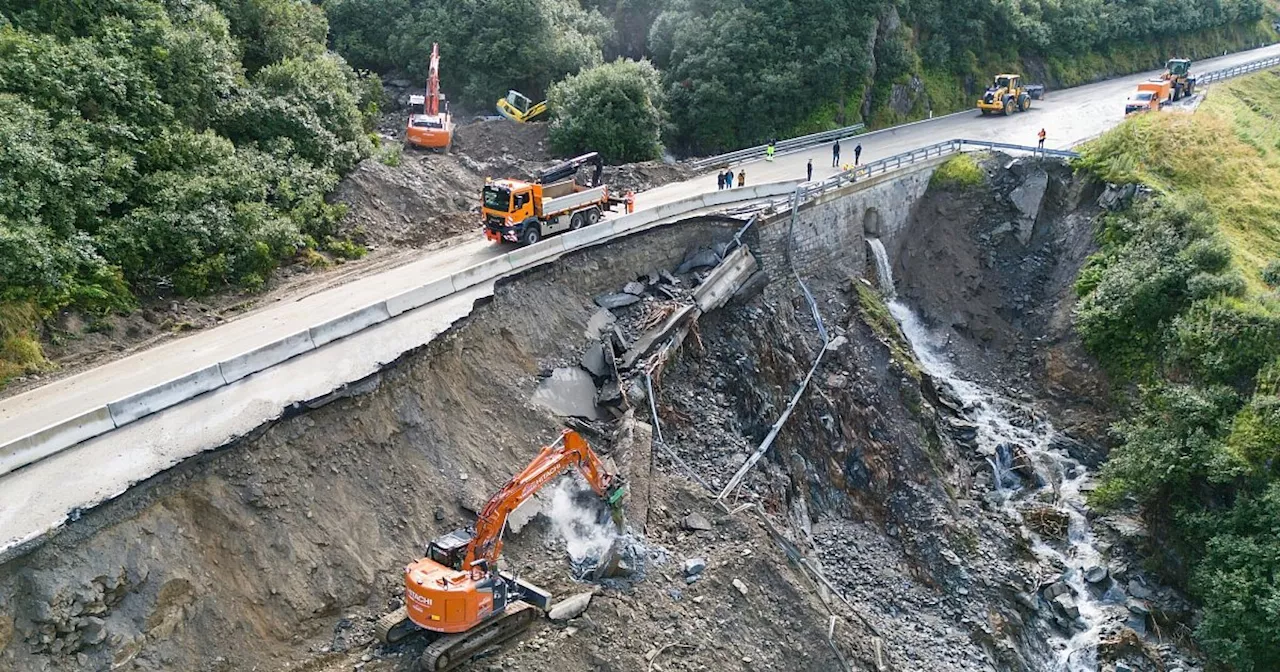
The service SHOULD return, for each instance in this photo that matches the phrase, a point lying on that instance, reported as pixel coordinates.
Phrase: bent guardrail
(781, 146)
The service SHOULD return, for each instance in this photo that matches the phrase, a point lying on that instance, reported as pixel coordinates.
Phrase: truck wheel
(532, 234)
(575, 222)
(1024, 103)
(593, 216)
(1008, 107)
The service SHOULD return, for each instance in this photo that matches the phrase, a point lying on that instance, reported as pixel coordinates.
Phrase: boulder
(570, 607)
(696, 522)
(1067, 605)
(1027, 198)
(633, 288)
(616, 300)
(1095, 573)
(694, 566)
(594, 360)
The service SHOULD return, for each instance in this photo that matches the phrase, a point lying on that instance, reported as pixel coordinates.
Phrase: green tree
(615, 109)
(486, 46)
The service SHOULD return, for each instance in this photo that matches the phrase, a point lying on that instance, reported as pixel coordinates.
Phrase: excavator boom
(570, 450)
(457, 593)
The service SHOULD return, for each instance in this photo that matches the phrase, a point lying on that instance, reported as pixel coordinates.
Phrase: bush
(614, 109)
(1139, 282)
(959, 172)
(1271, 274)
(138, 159)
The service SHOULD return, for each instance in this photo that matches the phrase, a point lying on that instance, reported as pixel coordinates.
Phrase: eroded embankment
(927, 514)
(279, 551)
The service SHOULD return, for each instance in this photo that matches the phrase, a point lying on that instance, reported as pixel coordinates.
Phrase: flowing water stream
(1026, 467)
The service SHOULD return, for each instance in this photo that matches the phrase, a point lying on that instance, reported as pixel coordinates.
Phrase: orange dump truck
(1151, 95)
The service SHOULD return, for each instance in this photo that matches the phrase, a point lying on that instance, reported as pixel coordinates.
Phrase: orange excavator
(457, 594)
(430, 124)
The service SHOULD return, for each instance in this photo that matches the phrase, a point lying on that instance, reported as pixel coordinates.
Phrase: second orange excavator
(430, 124)
(457, 594)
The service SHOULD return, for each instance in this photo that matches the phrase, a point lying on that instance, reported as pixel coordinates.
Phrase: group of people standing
(725, 180)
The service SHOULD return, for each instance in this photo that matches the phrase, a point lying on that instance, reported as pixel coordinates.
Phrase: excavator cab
(450, 550)
(519, 108)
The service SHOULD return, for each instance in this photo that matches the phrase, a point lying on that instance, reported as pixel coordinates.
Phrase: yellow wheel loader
(1007, 95)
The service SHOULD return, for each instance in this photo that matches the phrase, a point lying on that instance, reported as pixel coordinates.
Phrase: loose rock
(571, 607)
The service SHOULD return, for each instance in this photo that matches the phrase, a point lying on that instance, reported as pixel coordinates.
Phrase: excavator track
(450, 651)
(394, 626)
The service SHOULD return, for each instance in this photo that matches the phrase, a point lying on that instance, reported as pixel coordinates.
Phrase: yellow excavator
(519, 108)
(1007, 94)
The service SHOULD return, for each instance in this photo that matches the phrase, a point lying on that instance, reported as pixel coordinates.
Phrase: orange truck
(526, 212)
(1151, 95)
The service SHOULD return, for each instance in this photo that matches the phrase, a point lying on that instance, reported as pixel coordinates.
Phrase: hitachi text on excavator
(458, 596)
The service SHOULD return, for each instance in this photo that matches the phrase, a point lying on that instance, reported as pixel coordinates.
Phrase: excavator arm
(570, 450)
(569, 168)
(433, 82)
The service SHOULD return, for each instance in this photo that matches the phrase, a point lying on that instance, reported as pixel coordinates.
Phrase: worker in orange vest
(1041, 135)
(631, 202)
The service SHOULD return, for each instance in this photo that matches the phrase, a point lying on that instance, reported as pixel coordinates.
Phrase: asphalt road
(1068, 116)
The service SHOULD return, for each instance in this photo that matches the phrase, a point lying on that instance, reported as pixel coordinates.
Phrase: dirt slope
(280, 551)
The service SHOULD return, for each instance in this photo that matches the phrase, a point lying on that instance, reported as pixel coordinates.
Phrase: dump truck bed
(554, 206)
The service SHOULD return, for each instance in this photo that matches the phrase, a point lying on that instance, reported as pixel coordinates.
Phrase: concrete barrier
(164, 395)
(481, 272)
(349, 324)
(53, 439)
(590, 234)
(532, 254)
(45, 442)
(416, 298)
(266, 356)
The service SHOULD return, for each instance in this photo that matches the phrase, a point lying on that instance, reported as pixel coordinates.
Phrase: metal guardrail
(828, 136)
(781, 146)
(810, 190)
(1242, 69)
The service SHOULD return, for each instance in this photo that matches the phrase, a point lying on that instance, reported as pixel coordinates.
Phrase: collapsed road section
(803, 491)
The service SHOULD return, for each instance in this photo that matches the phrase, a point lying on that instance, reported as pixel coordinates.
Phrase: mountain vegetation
(1182, 305)
(739, 72)
(155, 147)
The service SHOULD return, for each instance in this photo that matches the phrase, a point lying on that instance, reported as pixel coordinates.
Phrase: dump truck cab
(510, 204)
(1151, 95)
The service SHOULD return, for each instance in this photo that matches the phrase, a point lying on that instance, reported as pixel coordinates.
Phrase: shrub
(615, 109)
(959, 172)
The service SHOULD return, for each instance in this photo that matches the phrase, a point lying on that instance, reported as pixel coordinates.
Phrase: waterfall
(883, 270)
(1018, 444)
